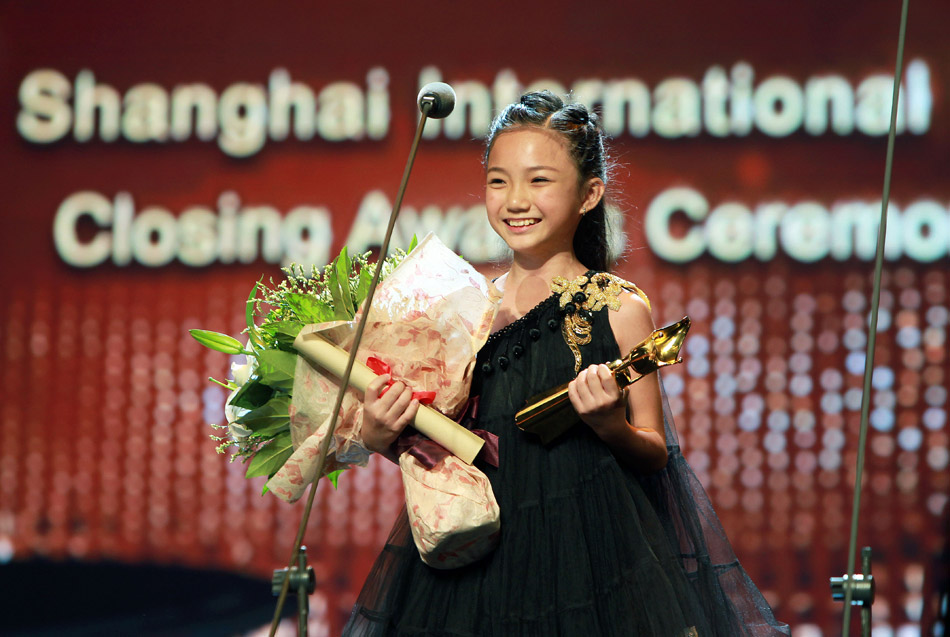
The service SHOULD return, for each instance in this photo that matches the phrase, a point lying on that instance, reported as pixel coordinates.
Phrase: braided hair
(581, 130)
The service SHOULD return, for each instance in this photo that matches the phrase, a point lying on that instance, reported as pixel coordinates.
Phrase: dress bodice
(530, 355)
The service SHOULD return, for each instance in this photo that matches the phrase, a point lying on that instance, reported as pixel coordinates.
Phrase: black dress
(588, 547)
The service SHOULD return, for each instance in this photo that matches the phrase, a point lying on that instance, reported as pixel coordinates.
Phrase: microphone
(436, 100)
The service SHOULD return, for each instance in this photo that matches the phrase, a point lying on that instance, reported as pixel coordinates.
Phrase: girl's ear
(595, 192)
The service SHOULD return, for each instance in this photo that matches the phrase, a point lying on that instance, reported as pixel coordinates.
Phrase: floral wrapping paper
(453, 514)
(429, 318)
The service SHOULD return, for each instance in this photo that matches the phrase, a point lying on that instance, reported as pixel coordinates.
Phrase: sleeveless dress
(588, 547)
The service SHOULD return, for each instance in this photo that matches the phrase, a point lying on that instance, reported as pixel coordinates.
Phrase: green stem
(230, 386)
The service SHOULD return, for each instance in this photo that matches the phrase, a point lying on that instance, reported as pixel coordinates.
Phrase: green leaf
(362, 287)
(268, 329)
(218, 342)
(268, 419)
(252, 330)
(276, 368)
(249, 308)
(339, 283)
(309, 309)
(270, 458)
(285, 332)
(334, 476)
(253, 394)
(278, 427)
(412, 244)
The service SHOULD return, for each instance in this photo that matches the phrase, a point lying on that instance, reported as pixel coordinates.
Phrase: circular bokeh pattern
(767, 404)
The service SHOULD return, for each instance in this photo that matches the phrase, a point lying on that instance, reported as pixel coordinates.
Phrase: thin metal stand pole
(872, 329)
(344, 381)
(303, 599)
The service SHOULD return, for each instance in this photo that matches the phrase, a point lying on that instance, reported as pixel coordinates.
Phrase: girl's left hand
(598, 400)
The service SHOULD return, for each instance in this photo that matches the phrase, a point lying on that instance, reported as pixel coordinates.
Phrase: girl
(604, 531)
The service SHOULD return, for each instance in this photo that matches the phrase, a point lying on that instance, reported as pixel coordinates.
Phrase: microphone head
(439, 96)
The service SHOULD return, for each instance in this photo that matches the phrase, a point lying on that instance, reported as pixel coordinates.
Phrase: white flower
(241, 373)
(238, 433)
(231, 412)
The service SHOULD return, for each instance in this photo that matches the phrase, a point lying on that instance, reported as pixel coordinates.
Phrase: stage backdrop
(158, 158)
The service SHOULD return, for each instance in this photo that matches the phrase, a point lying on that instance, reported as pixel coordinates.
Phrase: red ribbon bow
(380, 366)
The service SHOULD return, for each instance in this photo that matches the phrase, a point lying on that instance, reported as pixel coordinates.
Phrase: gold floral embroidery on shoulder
(583, 296)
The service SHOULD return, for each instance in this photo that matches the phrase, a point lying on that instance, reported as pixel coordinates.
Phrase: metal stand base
(303, 582)
(860, 591)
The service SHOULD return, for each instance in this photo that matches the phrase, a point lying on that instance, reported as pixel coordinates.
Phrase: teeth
(520, 223)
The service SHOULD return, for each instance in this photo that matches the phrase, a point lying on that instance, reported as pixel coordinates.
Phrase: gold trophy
(550, 414)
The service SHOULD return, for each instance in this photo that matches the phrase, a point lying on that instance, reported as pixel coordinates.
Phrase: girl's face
(533, 192)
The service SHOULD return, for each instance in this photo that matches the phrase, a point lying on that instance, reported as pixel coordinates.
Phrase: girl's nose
(517, 200)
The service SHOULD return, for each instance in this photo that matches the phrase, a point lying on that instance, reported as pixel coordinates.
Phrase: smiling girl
(604, 531)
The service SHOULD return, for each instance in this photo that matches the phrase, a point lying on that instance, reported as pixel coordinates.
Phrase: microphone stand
(435, 100)
(859, 590)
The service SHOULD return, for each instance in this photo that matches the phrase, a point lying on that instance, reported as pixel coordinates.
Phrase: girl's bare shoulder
(632, 319)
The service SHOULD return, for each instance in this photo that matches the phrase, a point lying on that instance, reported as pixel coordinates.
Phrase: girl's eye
(495, 181)
(540, 179)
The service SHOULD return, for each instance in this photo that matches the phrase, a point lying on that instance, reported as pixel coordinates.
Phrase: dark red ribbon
(430, 453)
(380, 367)
(489, 452)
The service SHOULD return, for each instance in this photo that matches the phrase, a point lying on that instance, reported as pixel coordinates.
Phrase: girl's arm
(630, 421)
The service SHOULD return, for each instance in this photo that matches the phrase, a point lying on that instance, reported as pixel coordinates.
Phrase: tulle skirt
(587, 552)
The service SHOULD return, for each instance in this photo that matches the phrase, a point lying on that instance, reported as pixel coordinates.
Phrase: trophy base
(547, 415)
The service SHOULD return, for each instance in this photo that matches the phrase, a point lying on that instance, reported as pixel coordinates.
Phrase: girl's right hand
(384, 417)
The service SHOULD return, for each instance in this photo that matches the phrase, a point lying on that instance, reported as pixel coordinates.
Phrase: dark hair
(584, 135)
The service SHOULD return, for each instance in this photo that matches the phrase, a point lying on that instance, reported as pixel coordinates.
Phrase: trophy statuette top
(550, 414)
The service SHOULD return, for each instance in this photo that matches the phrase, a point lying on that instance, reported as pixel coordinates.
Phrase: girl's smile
(533, 192)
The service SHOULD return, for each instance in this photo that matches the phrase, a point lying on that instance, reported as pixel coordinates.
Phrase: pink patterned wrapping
(429, 318)
(452, 511)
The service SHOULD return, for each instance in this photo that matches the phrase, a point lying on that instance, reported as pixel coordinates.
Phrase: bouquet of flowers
(429, 318)
(258, 408)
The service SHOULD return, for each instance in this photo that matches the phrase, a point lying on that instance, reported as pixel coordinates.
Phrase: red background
(104, 451)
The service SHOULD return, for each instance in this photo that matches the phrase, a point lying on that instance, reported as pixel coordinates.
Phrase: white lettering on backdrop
(722, 104)
(199, 236)
(805, 231)
(680, 225)
(241, 118)
(90, 230)
(245, 115)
